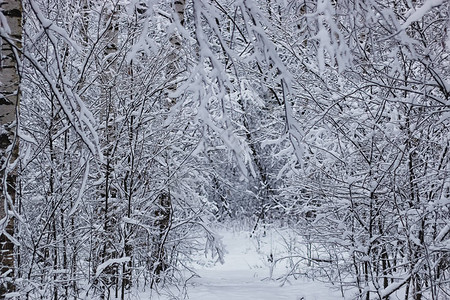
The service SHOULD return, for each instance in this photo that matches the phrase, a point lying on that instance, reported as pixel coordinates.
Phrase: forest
(145, 124)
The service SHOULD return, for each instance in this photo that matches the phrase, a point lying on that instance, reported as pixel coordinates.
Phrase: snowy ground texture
(246, 271)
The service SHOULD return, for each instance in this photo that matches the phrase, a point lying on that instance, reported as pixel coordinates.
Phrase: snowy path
(232, 286)
(244, 276)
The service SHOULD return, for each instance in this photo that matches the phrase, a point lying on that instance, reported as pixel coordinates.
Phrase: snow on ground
(245, 273)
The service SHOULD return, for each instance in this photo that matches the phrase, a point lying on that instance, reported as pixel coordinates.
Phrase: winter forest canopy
(142, 124)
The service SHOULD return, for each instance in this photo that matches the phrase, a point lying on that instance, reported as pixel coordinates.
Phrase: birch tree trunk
(11, 37)
(163, 212)
(109, 139)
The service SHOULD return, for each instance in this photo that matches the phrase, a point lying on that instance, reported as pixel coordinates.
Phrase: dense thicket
(142, 122)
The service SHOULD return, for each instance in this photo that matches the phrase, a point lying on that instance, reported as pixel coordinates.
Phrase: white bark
(11, 37)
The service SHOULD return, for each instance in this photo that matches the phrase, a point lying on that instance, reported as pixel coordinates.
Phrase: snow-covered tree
(142, 121)
(10, 64)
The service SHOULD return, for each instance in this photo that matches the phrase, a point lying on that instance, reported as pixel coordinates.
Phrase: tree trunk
(163, 216)
(11, 39)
